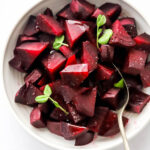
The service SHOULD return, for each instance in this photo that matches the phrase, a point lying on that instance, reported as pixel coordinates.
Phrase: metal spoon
(121, 110)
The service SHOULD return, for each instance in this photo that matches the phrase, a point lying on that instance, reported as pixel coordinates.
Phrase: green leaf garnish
(104, 39)
(119, 84)
(44, 98)
(101, 20)
(59, 42)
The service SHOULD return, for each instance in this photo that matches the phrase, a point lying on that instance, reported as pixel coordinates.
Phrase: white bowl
(13, 81)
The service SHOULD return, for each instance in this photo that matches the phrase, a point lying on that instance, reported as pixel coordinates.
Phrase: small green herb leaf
(47, 90)
(104, 39)
(99, 32)
(42, 99)
(101, 20)
(119, 84)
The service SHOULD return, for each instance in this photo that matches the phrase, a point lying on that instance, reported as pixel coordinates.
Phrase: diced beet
(53, 63)
(95, 123)
(104, 73)
(143, 41)
(110, 126)
(111, 98)
(45, 108)
(106, 53)
(27, 94)
(71, 60)
(145, 76)
(31, 28)
(74, 75)
(74, 30)
(85, 103)
(67, 52)
(27, 54)
(36, 118)
(129, 25)
(66, 13)
(135, 61)
(43, 80)
(54, 127)
(137, 100)
(48, 12)
(34, 76)
(84, 139)
(120, 36)
(81, 9)
(112, 10)
(89, 55)
(70, 131)
(49, 25)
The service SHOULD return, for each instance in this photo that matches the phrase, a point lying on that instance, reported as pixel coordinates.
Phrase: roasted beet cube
(104, 73)
(48, 12)
(81, 9)
(143, 41)
(110, 98)
(70, 131)
(36, 118)
(95, 123)
(74, 75)
(49, 25)
(71, 60)
(111, 10)
(74, 30)
(107, 53)
(85, 102)
(120, 36)
(31, 28)
(145, 76)
(89, 55)
(67, 52)
(27, 94)
(53, 63)
(137, 100)
(54, 127)
(84, 139)
(135, 61)
(129, 25)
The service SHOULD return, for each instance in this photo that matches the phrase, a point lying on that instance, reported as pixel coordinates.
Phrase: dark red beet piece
(145, 76)
(129, 25)
(81, 9)
(74, 75)
(111, 10)
(111, 98)
(54, 127)
(48, 12)
(26, 95)
(53, 63)
(49, 25)
(143, 41)
(43, 80)
(74, 30)
(71, 132)
(31, 28)
(90, 55)
(85, 102)
(67, 52)
(45, 108)
(137, 100)
(135, 61)
(106, 53)
(84, 139)
(120, 36)
(71, 60)
(104, 73)
(36, 118)
(95, 123)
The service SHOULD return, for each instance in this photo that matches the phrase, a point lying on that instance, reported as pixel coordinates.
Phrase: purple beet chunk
(84, 139)
(137, 100)
(95, 123)
(45, 108)
(31, 28)
(70, 131)
(54, 127)
(48, 12)
(36, 118)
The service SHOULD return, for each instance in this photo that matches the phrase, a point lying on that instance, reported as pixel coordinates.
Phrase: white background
(12, 135)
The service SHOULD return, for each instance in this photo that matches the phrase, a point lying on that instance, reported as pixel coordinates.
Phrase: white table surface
(12, 135)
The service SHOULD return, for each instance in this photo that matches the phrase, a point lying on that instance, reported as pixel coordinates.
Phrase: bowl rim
(141, 13)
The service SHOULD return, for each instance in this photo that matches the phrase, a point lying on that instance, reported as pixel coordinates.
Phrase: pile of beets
(80, 75)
